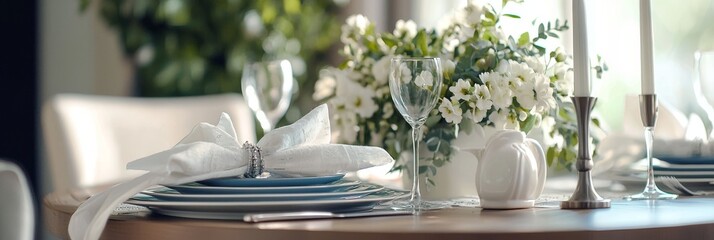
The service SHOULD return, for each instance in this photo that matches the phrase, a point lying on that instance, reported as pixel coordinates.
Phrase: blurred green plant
(195, 47)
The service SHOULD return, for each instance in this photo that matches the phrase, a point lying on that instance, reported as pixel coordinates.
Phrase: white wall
(78, 54)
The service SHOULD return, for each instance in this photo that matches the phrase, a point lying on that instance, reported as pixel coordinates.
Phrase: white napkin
(675, 136)
(209, 151)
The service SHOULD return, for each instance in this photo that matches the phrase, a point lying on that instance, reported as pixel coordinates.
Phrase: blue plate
(167, 194)
(688, 160)
(684, 168)
(271, 181)
(197, 188)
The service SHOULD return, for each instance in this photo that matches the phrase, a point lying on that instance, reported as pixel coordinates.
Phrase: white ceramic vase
(511, 171)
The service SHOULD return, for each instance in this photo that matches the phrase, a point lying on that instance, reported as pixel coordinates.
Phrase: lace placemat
(546, 200)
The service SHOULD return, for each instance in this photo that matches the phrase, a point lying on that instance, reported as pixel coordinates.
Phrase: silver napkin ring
(255, 161)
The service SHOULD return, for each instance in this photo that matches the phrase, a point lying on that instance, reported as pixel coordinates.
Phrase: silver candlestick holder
(585, 196)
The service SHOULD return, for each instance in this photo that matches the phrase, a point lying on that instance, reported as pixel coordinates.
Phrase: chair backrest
(17, 212)
(90, 139)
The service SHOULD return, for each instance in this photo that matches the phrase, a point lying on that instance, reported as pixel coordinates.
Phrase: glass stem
(416, 138)
(649, 137)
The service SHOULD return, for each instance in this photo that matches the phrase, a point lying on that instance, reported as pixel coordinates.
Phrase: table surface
(683, 218)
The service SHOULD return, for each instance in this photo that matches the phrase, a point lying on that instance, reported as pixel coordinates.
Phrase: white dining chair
(89, 139)
(17, 212)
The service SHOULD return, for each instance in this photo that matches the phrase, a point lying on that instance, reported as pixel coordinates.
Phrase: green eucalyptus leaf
(390, 42)
(432, 120)
(423, 169)
(439, 162)
(490, 15)
(433, 143)
(541, 50)
(524, 39)
(467, 126)
(550, 155)
(421, 41)
(445, 147)
(528, 124)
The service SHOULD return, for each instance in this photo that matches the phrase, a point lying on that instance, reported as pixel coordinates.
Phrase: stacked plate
(688, 170)
(232, 198)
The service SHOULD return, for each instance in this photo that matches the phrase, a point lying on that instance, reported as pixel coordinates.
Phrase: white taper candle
(646, 55)
(581, 69)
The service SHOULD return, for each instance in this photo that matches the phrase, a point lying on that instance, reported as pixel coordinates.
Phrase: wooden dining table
(682, 218)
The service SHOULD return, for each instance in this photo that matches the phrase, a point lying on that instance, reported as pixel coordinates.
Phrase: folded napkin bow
(209, 151)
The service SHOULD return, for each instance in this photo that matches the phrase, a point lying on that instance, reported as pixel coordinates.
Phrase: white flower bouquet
(490, 79)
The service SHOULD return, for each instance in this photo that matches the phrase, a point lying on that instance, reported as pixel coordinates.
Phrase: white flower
(382, 92)
(450, 111)
(325, 86)
(388, 110)
(520, 70)
(498, 118)
(464, 33)
(380, 69)
(476, 114)
(355, 97)
(525, 95)
(450, 44)
(522, 115)
(424, 79)
(543, 93)
(461, 90)
(355, 24)
(386, 50)
(482, 96)
(563, 77)
(512, 122)
(557, 140)
(501, 97)
(448, 66)
(503, 67)
(363, 104)
(405, 28)
(535, 63)
(490, 78)
(560, 55)
(498, 32)
(499, 89)
(471, 14)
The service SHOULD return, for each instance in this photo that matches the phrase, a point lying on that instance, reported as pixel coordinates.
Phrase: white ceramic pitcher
(511, 171)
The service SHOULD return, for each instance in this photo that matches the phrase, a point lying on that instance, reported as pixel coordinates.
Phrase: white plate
(333, 205)
(228, 215)
(196, 188)
(641, 177)
(167, 194)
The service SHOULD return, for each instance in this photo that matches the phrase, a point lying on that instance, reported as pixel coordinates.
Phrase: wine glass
(415, 85)
(267, 88)
(651, 191)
